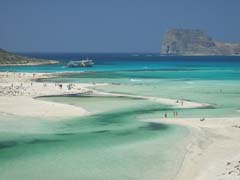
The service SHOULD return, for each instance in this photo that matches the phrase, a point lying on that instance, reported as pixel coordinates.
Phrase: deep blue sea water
(116, 62)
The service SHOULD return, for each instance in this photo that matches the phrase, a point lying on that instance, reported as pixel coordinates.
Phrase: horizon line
(85, 52)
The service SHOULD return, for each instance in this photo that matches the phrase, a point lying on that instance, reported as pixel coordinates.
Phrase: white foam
(135, 80)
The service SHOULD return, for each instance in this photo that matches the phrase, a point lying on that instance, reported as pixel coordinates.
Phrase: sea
(115, 142)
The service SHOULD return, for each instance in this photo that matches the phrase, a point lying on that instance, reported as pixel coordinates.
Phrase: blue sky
(110, 25)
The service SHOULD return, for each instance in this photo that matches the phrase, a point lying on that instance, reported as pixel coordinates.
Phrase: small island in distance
(11, 59)
(195, 42)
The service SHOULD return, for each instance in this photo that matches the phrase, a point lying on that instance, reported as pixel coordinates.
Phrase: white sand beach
(27, 106)
(213, 150)
(167, 101)
(18, 93)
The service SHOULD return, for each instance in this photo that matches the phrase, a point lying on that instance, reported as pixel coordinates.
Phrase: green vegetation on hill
(7, 58)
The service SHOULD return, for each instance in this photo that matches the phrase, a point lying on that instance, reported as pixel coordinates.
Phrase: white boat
(82, 63)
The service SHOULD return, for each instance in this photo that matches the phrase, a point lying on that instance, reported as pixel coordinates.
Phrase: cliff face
(189, 42)
(10, 59)
(228, 49)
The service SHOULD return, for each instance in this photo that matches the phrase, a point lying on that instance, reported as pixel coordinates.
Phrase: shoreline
(175, 103)
(213, 150)
(18, 89)
(45, 62)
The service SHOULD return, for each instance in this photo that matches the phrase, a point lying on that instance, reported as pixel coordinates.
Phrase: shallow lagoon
(111, 144)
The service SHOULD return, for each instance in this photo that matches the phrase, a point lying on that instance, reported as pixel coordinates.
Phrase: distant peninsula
(195, 42)
(11, 59)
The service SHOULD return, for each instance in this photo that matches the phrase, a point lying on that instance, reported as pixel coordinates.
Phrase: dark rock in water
(194, 42)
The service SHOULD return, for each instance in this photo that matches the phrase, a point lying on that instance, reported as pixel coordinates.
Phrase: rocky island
(195, 42)
(11, 59)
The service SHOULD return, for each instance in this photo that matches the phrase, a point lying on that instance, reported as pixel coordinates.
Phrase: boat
(82, 63)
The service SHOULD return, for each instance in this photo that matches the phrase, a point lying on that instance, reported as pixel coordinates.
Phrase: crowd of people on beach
(36, 88)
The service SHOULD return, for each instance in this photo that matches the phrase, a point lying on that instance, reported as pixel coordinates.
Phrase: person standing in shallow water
(175, 113)
(165, 115)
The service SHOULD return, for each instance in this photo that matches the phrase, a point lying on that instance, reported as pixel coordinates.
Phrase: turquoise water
(136, 62)
(113, 142)
(219, 88)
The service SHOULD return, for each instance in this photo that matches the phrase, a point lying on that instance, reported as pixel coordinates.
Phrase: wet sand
(214, 149)
(172, 102)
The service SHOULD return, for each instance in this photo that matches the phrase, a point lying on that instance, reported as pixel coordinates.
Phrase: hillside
(11, 59)
(191, 42)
